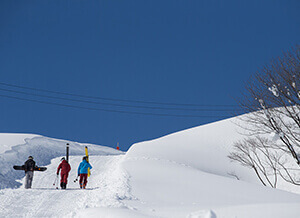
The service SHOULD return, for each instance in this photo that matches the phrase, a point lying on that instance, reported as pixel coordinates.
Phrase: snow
(105, 188)
(283, 210)
(202, 214)
(205, 148)
(274, 90)
(43, 149)
(171, 189)
(10, 139)
(185, 174)
(109, 213)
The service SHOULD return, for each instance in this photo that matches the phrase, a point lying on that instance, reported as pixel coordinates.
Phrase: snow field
(185, 174)
(280, 210)
(204, 147)
(43, 150)
(11, 139)
(202, 214)
(107, 186)
(166, 188)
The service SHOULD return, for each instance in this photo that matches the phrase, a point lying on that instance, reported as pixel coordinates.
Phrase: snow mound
(205, 148)
(189, 174)
(185, 174)
(43, 149)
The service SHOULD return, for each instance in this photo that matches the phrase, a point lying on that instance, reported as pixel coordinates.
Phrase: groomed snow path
(107, 187)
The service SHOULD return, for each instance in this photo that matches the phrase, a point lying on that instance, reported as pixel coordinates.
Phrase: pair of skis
(86, 154)
(87, 159)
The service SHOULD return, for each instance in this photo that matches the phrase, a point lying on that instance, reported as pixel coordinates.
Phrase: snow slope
(7, 140)
(154, 189)
(205, 148)
(185, 174)
(105, 189)
(189, 171)
(169, 189)
(43, 149)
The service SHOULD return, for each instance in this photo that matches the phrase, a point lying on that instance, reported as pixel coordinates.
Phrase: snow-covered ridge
(204, 147)
(7, 140)
(189, 174)
(43, 149)
(185, 174)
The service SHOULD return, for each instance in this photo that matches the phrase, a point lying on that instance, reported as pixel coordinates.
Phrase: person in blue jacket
(83, 172)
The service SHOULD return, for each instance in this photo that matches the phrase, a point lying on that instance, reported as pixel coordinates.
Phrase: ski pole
(57, 182)
(54, 181)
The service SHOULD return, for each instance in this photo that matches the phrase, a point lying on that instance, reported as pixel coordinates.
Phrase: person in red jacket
(65, 169)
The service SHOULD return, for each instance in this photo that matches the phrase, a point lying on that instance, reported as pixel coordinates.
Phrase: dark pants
(28, 179)
(64, 178)
(83, 180)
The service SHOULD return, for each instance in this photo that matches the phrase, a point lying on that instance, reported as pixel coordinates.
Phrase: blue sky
(183, 52)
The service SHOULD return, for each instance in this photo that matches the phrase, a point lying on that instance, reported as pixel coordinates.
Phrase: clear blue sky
(167, 51)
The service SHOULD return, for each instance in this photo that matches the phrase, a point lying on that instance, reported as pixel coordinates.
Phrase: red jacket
(64, 166)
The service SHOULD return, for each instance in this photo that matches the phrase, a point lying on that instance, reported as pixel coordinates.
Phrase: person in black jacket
(29, 166)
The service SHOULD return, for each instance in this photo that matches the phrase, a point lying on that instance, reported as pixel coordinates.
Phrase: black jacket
(29, 165)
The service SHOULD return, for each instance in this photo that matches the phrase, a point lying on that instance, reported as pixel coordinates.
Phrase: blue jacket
(83, 167)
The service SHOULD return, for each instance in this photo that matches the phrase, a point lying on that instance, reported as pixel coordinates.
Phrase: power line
(112, 104)
(115, 99)
(107, 110)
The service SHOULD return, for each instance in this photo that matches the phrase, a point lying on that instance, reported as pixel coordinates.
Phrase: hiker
(29, 166)
(83, 172)
(64, 173)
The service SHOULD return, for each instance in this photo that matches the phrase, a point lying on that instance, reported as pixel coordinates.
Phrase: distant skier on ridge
(83, 172)
(65, 169)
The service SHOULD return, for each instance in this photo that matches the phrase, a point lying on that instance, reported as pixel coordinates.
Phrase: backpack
(29, 165)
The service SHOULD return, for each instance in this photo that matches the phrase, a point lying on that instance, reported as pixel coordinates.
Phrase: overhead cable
(107, 110)
(113, 104)
(115, 99)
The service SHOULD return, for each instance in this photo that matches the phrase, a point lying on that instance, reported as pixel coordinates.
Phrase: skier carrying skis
(65, 169)
(29, 167)
(83, 172)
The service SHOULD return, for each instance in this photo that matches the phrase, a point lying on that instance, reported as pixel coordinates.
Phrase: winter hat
(63, 158)
(30, 157)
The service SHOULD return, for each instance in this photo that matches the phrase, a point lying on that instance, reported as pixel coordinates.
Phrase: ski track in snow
(107, 187)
